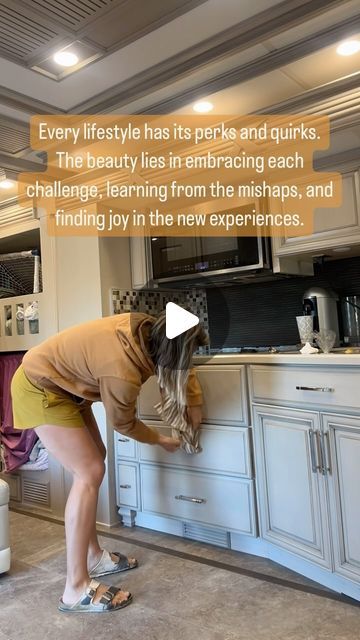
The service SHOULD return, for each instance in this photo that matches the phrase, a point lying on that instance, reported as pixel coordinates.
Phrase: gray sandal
(86, 603)
(106, 565)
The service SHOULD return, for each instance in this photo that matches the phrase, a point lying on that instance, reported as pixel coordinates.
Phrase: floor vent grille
(36, 493)
(206, 534)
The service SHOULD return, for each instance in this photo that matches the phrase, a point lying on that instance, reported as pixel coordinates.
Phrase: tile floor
(175, 597)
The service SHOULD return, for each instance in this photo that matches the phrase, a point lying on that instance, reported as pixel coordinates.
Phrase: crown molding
(21, 102)
(20, 164)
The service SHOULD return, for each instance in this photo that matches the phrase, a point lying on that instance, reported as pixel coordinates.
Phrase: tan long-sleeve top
(103, 360)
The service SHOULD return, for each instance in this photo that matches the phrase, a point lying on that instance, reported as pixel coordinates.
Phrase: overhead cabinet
(333, 226)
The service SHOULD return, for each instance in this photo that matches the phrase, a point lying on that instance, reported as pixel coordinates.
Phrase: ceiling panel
(332, 17)
(133, 19)
(251, 95)
(322, 67)
(71, 13)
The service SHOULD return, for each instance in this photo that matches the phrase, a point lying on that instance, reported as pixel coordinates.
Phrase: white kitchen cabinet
(342, 452)
(292, 498)
(209, 499)
(333, 226)
(306, 386)
(213, 489)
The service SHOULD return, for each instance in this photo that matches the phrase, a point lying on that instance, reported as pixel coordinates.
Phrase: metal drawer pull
(324, 389)
(190, 499)
(124, 439)
(125, 486)
(315, 467)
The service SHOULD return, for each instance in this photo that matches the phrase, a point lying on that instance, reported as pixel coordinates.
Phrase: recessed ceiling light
(66, 58)
(203, 106)
(348, 47)
(7, 184)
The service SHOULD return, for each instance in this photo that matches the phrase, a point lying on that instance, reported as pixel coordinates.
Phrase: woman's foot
(106, 563)
(73, 595)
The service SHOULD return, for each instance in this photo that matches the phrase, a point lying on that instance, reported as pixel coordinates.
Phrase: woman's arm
(194, 400)
(119, 398)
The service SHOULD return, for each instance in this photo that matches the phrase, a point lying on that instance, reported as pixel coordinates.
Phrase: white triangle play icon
(178, 320)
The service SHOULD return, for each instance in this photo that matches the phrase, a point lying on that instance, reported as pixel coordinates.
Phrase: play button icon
(178, 320)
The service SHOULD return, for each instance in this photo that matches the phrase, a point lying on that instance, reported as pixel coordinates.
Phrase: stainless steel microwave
(220, 259)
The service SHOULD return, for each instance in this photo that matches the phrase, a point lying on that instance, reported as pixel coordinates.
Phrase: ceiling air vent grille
(70, 12)
(11, 213)
(13, 140)
(20, 35)
(36, 492)
(206, 534)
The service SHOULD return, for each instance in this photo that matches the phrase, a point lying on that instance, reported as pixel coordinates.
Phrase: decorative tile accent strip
(153, 302)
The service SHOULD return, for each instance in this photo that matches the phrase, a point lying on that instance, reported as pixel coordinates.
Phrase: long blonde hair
(173, 361)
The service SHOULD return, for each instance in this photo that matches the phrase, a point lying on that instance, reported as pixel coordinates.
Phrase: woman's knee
(94, 473)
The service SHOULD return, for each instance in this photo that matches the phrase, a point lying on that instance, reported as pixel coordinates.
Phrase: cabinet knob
(191, 499)
(125, 486)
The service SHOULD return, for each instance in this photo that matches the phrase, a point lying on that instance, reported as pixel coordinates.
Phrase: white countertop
(320, 359)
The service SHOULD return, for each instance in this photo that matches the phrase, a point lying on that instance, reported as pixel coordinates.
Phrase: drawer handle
(124, 439)
(125, 486)
(323, 389)
(190, 499)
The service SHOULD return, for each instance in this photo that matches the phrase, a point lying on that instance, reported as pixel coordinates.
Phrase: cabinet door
(342, 447)
(333, 227)
(292, 496)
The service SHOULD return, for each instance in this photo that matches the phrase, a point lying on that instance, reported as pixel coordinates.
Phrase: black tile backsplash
(264, 313)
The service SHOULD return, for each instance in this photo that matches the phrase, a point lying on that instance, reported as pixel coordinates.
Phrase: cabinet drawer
(225, 449)
(126, 486)
(216, 500)
(307, 385)
(125, 447)
(224, 392)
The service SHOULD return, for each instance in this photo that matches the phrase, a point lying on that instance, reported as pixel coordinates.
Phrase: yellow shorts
(33, 407)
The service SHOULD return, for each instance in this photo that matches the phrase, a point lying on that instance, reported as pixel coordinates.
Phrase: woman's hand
(195, 416)
(169, 444)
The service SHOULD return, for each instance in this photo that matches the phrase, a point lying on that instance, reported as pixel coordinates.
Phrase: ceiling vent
(21, 35)
(14, 136)
(69, 12)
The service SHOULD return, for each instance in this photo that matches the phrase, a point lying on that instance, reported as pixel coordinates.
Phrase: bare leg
(76, 451)
(95, 551)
